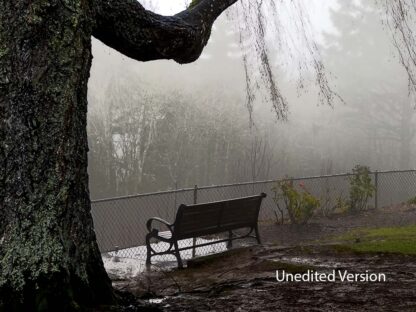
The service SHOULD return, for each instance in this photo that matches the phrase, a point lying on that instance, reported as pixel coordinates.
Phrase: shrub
(277, 197)
(300, 205)
(341, 205)
(412, 201)
(361, 189)
(328, 207)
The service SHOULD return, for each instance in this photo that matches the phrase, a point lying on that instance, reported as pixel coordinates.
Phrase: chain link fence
(120, 223)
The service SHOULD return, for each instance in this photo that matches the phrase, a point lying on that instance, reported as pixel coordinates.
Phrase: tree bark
(49, 258)
(145, 36)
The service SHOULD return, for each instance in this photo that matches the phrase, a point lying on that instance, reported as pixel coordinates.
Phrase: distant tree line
(146, 142)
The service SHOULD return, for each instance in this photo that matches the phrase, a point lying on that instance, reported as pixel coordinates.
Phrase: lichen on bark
(48, 252)
(49, 258)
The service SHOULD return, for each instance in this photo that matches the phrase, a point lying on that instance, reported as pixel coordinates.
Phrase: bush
(341, 205)
(300, 205)
(328, 207)
(412, 201)
(361, 189)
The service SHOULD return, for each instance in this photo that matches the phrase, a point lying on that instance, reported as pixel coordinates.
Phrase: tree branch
(144, 36)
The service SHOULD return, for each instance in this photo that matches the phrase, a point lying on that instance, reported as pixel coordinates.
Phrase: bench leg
(230, 240)
(149, 253)
(178, 255)
(256, 229)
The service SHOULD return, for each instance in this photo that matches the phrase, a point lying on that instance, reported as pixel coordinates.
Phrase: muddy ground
(244, 279)
(325, 227)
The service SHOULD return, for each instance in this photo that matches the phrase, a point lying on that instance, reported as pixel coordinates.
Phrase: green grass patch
(397, 240)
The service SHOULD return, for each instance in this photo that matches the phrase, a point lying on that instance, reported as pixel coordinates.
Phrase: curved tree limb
(144, 36)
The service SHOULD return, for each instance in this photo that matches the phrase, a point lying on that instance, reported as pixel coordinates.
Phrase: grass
(396, 240)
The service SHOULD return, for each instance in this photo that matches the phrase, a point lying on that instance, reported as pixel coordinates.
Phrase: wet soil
(244, 279)
(320, 228)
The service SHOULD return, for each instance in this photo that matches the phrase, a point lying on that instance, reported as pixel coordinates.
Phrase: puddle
(130, 262)
(323, 263)
(157, 300)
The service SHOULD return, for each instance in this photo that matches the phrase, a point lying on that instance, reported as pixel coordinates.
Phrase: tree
(49, 259)
(134, 116)
(379, 105)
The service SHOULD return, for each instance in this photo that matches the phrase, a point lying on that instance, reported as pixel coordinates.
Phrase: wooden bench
(198, 220)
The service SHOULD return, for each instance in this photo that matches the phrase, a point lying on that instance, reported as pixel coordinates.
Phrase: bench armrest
(150, 221)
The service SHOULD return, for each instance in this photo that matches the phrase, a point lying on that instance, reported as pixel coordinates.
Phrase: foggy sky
(316, 138)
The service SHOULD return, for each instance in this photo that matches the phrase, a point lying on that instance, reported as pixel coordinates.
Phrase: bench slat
(216, 217)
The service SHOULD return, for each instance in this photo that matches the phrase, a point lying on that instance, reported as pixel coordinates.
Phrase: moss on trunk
(48, 251)
(49, 258)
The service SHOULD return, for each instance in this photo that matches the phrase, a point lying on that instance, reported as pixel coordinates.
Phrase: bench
(204, 219)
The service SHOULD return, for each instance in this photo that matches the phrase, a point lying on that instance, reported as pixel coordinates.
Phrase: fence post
(195, 202)
(376, 189)
(175, 201)
(195, 194)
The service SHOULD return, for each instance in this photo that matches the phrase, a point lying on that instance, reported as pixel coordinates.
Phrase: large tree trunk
(49, 258)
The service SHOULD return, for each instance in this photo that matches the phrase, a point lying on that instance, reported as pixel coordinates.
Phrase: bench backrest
(215, 217)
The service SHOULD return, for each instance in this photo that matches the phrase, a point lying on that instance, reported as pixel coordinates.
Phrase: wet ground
(244, 279)
(326, 227)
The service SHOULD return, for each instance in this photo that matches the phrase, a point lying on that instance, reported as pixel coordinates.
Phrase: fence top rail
(242, 184)
(272, 181)
(395, 171)
(141, 195)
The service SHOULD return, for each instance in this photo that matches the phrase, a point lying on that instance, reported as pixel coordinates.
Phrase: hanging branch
(282, 29)
(400, 19)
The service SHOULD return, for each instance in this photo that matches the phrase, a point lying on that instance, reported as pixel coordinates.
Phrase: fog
(159, 125)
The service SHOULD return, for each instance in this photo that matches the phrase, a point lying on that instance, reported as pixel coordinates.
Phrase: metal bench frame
(172, 237)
